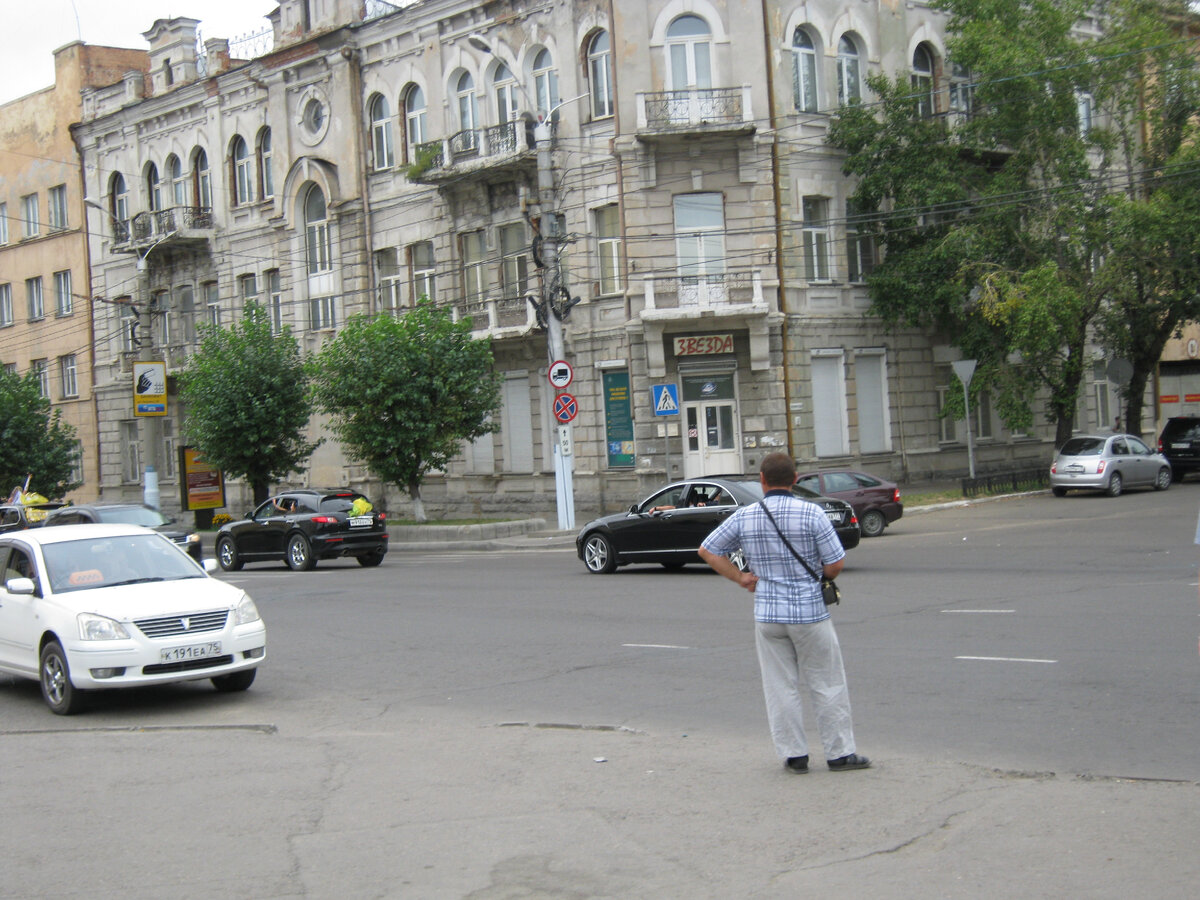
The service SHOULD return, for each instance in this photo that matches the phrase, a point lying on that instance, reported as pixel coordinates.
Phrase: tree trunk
(1135, 392)
(414, 491)
(262, 490)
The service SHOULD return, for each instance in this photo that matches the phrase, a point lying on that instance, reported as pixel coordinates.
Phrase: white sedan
(84, 607)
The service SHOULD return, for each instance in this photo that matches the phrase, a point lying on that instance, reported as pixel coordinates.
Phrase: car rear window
(1182, 430)
(1083, 447)
(341, 502)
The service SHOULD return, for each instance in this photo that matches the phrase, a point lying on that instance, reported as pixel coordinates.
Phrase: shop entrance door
(711, 442)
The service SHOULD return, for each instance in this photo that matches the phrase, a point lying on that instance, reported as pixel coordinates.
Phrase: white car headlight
(246, 611)
(100, 628)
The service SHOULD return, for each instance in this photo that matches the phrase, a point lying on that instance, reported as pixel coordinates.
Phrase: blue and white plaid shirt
(786, 593)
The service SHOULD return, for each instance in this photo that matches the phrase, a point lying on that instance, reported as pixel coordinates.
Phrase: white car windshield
(108, 561)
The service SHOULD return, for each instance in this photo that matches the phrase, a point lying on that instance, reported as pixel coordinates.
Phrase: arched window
(118, 201)
(201, 180)
(381, 133)
(414, 119)
(599, 61)
(175, 179)
(849, 80)
(243, 171)
(545, 82)
(266, 178)
(922, 81)
(153, 188)
(318, 248)
(689, 50)
(505, 87)
(804, 71)
(465, 96)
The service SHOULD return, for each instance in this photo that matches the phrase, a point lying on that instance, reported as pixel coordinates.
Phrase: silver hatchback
(1108, 463)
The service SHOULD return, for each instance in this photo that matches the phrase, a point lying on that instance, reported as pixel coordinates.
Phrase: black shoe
(798, 764)
(852, 761)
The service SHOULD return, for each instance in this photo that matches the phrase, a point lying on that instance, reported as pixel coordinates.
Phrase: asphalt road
(505, 724)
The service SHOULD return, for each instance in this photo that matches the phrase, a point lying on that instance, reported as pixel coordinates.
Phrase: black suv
(1180, 444)
(302, 526)
(127, 514)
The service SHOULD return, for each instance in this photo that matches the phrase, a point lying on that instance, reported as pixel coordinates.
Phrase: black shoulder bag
(829, 590)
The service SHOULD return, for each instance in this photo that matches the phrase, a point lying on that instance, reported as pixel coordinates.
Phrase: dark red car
(876, 501)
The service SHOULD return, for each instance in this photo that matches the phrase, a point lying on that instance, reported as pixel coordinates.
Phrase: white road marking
(1006, 659)
(658, 646)
(981, 611)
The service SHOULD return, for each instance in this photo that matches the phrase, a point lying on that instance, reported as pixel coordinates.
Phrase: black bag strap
(787, 543)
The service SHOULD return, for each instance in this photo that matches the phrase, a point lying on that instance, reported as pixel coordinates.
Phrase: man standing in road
(797, 645)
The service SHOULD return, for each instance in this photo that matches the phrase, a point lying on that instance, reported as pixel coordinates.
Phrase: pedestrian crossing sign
(666, 399)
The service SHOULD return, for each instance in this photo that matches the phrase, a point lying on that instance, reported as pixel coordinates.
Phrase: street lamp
(150, 427)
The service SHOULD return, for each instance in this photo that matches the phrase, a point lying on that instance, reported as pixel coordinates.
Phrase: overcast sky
(34, 29)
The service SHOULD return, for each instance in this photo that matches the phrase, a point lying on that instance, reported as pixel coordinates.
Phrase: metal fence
(1007, 482)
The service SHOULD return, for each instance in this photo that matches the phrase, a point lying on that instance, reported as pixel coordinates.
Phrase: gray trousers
(796, 656)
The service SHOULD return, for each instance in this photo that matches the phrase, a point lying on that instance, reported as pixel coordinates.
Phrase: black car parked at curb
(302, 526)
(1180, 444)
(669, 525)
(127, 514)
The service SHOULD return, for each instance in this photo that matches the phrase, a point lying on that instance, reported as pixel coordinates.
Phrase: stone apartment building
(45, 300)
(698, 222)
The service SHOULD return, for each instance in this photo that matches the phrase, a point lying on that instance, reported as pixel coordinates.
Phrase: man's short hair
(778, 469)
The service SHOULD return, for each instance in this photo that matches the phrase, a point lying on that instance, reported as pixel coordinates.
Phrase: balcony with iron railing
(666, 114)
(473, 151)
(182, 224)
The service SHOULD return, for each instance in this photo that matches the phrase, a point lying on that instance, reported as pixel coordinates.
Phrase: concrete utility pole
(150, 432)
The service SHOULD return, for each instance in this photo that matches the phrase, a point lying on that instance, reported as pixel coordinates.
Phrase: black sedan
(127, 514)
(669, 525)
(303, 526)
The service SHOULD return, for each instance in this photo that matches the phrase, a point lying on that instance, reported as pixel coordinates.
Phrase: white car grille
(169, 626)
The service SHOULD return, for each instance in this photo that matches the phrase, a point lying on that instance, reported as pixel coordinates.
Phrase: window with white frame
(545, 82)
(58, 207)
(829, 416)
(10, 369)
(178, 184)
(467, 114)
(248, 289)
(699, 236)
(848, 72)
(243, 172)
(153, 188)
(185, 306)
(201, 180)
(118, 205)
(131, 453)
(1084, 109)
(383, 154)
(421, 263)
(266, 178)
(921, 80)
(414, 120)
(319, 247)
(815, 211)
(871, 399)
(947, 425)
(608, 248)
(35, 303)
(474, 276)
(212, 303)
(76, 476)
(1102, 392)
(41, 371)
(68, 376)
(505, 90)
(162, 321)
(514, 261)
(981, 413)
(64, 303)
(804, 71)
(275, 301)
(860, 245)
(599, 63)
(962, 92)
(689, 52)
(322, 313)
(3, 223)
(31, 226)
(6, 307)
(389, 279)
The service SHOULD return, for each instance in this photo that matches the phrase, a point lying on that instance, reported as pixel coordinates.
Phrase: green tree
(34, 441)
(405, 392)
(245, 390)
(998, 225)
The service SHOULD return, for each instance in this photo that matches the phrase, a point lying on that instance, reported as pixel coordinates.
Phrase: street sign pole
(964, 369)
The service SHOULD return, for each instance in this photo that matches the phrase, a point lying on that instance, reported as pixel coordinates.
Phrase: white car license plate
(359, 521)
(1187, 446)
(196, 651)
(834, 517)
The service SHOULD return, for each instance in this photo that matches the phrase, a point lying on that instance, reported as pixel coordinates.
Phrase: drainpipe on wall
(779, 267)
